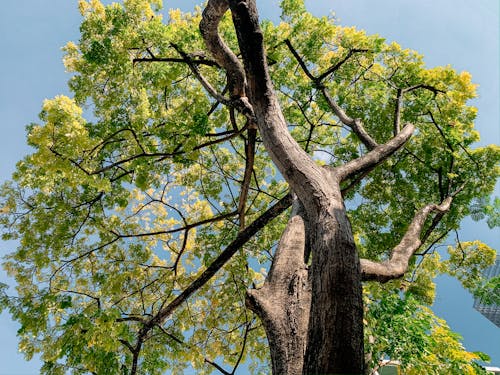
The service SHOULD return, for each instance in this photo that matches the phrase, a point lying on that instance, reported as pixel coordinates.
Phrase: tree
(143, 232)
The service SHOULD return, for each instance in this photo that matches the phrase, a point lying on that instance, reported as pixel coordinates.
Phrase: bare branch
(212, 14)
(206, 85)
(218, 367)
(336, 67)
(374, 157)
(242, 351)
(354, 124)
(399, 102)
(397, 112)
(300, 61)
(175, 60)
(397, 265)
(249, 162)
(175, 230)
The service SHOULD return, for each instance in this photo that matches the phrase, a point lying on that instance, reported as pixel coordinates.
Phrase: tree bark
(335, 333)
(283, 302)
(313, 317)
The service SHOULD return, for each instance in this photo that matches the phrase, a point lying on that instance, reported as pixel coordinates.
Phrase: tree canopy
(151, 202)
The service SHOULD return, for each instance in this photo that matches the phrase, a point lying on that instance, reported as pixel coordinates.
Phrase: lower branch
(243, 237)
(397, 265)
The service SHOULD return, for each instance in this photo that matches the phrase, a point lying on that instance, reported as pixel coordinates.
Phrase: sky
(462, 33)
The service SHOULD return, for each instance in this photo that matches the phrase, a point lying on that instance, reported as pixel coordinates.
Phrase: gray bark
(313, 317)
(283, 302)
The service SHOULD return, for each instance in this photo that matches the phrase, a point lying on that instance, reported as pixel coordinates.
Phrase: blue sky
(463, 33)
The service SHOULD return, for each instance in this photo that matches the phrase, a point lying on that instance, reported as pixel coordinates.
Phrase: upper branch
(375, 156)
(206, 85)
(397, 264)
(355, 124)
(198, 61)
(296, 166)
(399, 102)
(340, 63)
(212, 14)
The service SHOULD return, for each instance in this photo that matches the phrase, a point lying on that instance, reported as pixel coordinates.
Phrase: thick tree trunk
(331, 329)
(335, 333)
(335, 330)
(319, 309)
(319, 332)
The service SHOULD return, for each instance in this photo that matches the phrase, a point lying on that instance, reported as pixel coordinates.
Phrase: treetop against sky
(173, 186)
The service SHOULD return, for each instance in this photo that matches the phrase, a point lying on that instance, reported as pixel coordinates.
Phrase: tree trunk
(333, 336)
(335, 333)
(283, 302)
(318, 332)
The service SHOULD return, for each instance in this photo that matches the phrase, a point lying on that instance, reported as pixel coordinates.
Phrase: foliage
(134, 187)
(401, 327)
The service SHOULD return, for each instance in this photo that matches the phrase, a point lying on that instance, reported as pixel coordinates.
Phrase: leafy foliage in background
(137, 184)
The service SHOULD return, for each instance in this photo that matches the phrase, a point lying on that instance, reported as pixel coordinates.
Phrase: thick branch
(289, 254)
(212, 14)
(283, 302)
(397, 264)
(375, 156)
(297, 167)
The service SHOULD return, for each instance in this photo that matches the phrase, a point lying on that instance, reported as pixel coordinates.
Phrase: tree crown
(148, 206)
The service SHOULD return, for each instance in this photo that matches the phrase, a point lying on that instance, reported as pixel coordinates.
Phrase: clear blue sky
(463, 33)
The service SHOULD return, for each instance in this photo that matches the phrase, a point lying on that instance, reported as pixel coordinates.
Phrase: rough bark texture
(283, 302)
(313, 317)
(397, 264)
(335, 334)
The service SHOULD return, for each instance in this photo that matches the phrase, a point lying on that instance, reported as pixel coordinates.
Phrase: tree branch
(375, 156)
(206, 85)
(291, 251)
(249, 163)
(211, 16)
(397, 264)
(175, 60)
(340, 63)
(283, 302)
(297, 167)
(355, 124)
(397, 112)
(242, 238)
(175, 230)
